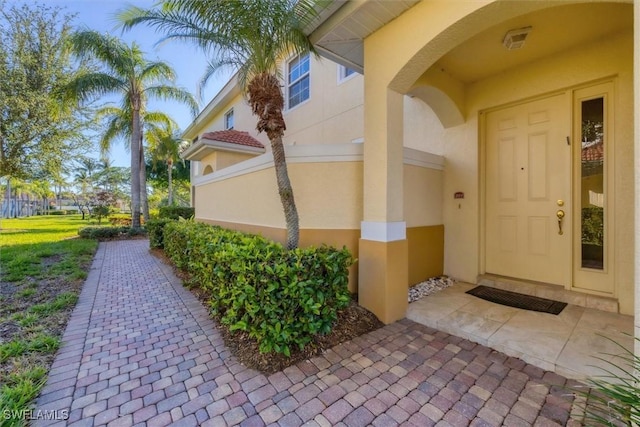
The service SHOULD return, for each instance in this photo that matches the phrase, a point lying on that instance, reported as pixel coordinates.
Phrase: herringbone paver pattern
(141, 350)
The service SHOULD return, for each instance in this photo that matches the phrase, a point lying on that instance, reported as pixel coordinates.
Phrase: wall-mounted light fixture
(514, 39)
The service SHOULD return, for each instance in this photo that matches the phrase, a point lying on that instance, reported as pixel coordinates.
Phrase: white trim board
(325, 153)
(383, 231)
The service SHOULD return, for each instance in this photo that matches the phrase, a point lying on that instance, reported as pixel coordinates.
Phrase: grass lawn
(42, 267)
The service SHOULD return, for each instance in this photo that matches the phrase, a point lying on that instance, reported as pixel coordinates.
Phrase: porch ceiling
(340, 38)
(553, 30)
(345, 24)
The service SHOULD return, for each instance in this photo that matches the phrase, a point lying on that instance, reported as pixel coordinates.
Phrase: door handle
(560, 215)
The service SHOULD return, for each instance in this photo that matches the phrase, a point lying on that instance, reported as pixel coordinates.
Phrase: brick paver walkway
(141, 350)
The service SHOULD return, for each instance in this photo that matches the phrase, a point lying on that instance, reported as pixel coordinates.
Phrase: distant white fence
(18, 207)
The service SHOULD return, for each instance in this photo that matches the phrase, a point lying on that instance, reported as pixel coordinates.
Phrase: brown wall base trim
(426, 252)
(425, 246)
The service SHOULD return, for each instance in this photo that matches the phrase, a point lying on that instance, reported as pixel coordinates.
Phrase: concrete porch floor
(567, 344)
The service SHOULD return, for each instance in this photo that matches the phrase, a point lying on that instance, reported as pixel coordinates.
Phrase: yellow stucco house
(474, 138)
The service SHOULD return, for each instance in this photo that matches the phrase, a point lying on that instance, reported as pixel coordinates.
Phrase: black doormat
(513, 299)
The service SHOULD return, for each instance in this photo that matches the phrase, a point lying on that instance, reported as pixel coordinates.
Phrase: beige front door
(528, 180)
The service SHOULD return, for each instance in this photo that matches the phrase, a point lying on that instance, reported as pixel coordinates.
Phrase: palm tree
(166, 145)
(126, 73)
(104, 176)
(85, 181)
(42, 189)
(252, 36)
(119, 125)
(89, 165)
(60, 185)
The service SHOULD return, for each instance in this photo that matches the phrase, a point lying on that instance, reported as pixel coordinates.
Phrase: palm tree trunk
(135, 166)
(169, 169)
(286, 193)
(144, 198)
(267, 102)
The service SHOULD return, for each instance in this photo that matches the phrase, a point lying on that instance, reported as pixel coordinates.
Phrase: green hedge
(282, 298)
(123, 220)
(155, 229)
(102, 233)
(175, 212)
(63, 212)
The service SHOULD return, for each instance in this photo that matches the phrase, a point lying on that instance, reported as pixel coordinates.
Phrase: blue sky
(186, 60)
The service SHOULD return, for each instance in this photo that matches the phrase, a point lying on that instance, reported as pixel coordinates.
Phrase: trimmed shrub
(123, 220)
(155, 229)
(105, 233)
(175, 212)
(61, 212)
(281, 298)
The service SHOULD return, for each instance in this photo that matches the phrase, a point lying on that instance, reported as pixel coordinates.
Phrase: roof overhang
(204, 147)
(221, 101)
(339, 32)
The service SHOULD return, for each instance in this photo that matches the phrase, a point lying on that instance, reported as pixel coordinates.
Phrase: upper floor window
(228, 119)
(344, 72)
(298, 80)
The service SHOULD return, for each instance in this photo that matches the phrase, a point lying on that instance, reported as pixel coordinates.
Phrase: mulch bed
(352, 322)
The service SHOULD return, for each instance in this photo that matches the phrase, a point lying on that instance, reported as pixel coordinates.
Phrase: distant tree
(119, 125)
(85, 179)
(251, 36)
(165, 146)
(37, 129)
(125, 72)
(101, 204)
(60, 187)
(89, 166)
(158, 174)
(42, 189)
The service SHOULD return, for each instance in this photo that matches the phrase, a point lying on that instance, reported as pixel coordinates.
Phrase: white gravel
(429, 287)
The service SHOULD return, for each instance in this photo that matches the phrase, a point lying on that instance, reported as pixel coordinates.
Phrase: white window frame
(342, 74)
(229, 115)
(288, 84)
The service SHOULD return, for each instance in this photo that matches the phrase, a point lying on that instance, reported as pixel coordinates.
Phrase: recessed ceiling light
(514, 39)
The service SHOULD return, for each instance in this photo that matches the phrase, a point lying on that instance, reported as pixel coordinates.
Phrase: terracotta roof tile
(233, 137)
(593, 153)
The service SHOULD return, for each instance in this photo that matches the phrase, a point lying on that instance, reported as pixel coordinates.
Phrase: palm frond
(213, 68)
(158, 118)
(92, 44)
(94, 85)
(251, 36)
(172, 93)
(116, 128)
(107, 111)
(186, 21)
(156, 72)
(613, 398)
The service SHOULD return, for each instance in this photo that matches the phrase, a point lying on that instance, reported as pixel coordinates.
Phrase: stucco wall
(422, 196)
(422, 128)
(226, 159)
(218, 160)
(328, 196)
(332, 114)
(334, 111)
